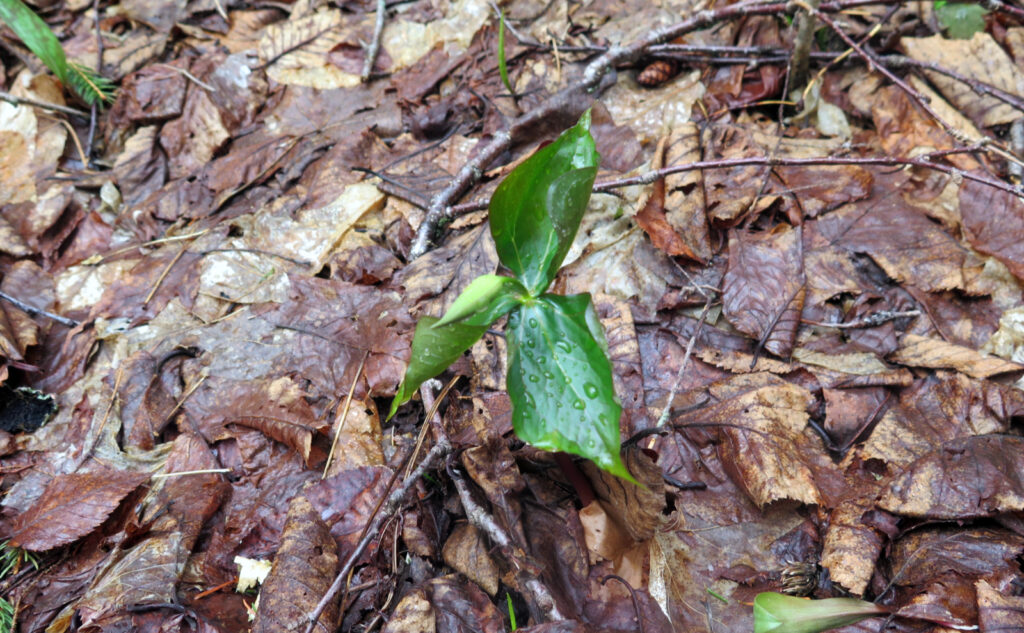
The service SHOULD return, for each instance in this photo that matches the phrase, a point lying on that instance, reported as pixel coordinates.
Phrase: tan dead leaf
(413, 613)
(761, 421)
(920, 252)
(466, 552)
(851, 548)
(998, 610)
(907, 131)
(653, 113)
(359, 441)
(72, 506)
(994, 223)
(296, 51)
(276, 408)
(921, 351)
(175, 511)
(979, 58)
(304, 568)
(764, 287)
(192, 139)
(406, 41)
(857, 363)
(937, 410)
(684, 203)
(967, 478)
(638, 508)
(17, 331)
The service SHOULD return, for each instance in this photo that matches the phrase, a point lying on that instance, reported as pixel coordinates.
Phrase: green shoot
(7, 616)
(11, 559)
(37, 36)
(502, 62)
(559, 376)
(779, 613)
(511, 611)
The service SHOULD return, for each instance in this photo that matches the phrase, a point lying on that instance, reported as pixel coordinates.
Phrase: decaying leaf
(920, 351)
(303, 570)
(72, 506)
(967, 478)
(466, 552)
(764, 287)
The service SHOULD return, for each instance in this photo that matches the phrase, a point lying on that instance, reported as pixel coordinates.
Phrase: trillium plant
(559, 375)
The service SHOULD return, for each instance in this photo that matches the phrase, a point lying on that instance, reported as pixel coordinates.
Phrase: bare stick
(607, 186)
(802, 48)
(871, 320)
(378, 31)
(561, 102)
(667, 411)
(35, 103)
(33, 311)
(394, 501)
(483, 521)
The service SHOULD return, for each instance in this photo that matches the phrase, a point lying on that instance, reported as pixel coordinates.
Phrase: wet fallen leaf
(72, 506)
(303, 570)
(764, 287)
(967, 478)
(919, 351)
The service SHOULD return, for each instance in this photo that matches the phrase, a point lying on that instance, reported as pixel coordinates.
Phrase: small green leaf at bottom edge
(779, 613)
(433, 351)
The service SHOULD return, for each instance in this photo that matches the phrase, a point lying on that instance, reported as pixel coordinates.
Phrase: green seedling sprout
(37, 36)
(559, 375)
(779, 613)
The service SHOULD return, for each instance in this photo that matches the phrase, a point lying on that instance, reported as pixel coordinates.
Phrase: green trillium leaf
(433, 350)
(560, 381)
(536, 211)
(485, 300)
(779, 613)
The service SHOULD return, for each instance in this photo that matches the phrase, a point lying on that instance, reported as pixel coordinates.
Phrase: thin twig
(632, 594)
(378, 31)
(483, 521)
(34, 311)
(565, 102)
(567, 99)
(390, 506)
(871, 320)
(35, 103)
(667, 411)
(646, 178)
(343, 414)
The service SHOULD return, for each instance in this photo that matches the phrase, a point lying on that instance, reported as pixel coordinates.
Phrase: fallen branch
(583, 89)
(35, 103)
(484, 522)
(393, 503)
(34, 311)
(378, 32)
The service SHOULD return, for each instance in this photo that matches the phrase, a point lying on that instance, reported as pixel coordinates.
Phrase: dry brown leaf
(966, 478)
(902, 240)
(994, 223)
(921, 351)
(304, 568)
(466, 552)
(413, 613)
(761, 421)
(979, 58)
(851, 546)
(937, 410)
(297, 51)
(359, 441)
(998, 610)
(638, 508)
(175, 511)
(764, 287)
(72, 506)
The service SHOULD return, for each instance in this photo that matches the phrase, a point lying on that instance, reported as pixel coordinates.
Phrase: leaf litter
(843, 418)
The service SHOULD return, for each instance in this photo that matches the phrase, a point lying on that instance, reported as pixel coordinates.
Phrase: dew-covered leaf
(433, 350)
(560, 380)
(536, 211)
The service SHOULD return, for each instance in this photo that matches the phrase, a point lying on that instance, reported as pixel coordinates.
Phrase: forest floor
(814, 315)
